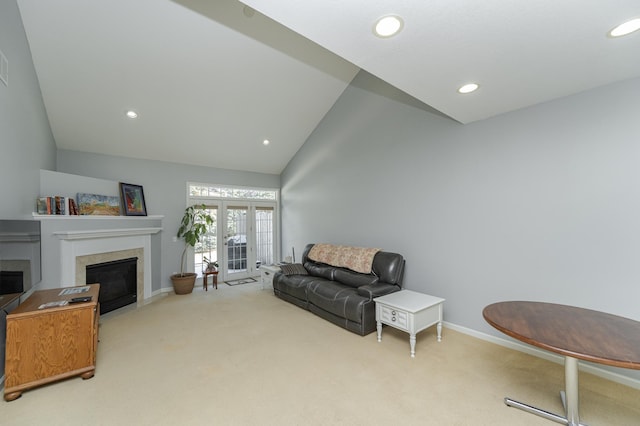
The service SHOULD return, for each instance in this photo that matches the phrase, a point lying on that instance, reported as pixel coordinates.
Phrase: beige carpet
(240, 356)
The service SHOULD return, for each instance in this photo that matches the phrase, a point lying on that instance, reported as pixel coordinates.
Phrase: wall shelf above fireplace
(92, 217)
(104, 233)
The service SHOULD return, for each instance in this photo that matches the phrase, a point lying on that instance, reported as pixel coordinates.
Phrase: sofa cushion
(293, 269)
(354, 279)
(320, 270)
(293, 285)
(337, 299)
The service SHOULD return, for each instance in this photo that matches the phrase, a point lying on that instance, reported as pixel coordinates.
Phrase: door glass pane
(264, 235)
(236, 239)
(208, 246)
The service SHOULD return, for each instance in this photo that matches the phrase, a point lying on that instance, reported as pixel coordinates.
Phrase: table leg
(412, 343)
(569, 398)
(534, 410)
(204, 282)
(379, 327)
(439, 328)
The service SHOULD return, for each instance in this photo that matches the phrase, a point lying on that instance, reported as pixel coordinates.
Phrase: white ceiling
(211, 79)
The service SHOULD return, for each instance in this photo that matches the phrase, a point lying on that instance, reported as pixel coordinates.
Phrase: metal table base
(569, 398)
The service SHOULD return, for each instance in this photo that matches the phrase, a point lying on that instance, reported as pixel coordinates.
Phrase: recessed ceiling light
(625, 28)
(131, 114)
(388, 26)
(265, 142)
(468, 88)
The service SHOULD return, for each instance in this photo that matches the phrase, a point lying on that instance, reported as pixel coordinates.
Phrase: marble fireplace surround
(81, 248)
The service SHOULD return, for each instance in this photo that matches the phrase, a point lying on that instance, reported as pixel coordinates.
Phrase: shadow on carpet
(241, 281)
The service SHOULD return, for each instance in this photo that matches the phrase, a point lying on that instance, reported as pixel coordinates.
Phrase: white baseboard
(558, 359)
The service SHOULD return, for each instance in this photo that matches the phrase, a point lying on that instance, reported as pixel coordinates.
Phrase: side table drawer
(395, 317)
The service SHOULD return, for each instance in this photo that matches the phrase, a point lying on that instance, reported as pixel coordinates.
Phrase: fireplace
(15, 276)
(11, 282)
(78, 249)
(118, 281)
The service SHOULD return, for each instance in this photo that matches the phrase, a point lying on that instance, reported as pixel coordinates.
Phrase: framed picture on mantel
(132, 200)
(99, 205)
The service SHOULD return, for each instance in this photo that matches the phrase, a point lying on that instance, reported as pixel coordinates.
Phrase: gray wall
(539, 204)
(165, 191)
(26, 143)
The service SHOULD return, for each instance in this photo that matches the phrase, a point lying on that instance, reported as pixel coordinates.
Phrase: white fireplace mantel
(75, 243)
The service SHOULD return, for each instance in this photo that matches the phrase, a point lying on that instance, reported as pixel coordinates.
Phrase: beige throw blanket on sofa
(357, 259)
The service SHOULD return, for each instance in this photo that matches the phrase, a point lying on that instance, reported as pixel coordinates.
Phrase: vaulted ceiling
(211, 80)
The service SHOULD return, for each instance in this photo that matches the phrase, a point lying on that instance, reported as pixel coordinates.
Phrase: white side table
(409, 311)
(266, 275)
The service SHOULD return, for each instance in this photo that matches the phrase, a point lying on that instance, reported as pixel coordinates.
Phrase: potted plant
(194, 225)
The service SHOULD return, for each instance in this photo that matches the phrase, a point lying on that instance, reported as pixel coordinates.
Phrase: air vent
(4, 69)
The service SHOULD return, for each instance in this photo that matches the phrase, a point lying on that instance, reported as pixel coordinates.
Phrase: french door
(244, 232)
(237, 244)
(207, 249)
(248, 238)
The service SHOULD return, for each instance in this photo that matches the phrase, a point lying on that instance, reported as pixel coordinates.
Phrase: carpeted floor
(241, 356)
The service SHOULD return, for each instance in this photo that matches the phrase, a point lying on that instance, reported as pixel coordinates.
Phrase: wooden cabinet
(51, 343)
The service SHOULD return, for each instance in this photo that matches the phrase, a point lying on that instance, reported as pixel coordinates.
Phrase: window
(221, 192)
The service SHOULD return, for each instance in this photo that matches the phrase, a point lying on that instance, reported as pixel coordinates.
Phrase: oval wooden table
(576, 333)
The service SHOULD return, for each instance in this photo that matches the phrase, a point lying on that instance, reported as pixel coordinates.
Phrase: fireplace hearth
(118, 282)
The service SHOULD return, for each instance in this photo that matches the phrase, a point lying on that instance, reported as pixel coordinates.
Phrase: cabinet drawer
(395, 317)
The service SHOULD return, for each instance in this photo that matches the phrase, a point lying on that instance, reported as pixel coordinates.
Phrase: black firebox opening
(11, 282)
(118, 281)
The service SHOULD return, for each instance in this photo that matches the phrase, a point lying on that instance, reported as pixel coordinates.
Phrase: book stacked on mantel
(56, 205)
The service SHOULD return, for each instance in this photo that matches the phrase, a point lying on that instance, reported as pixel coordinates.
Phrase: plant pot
(183, 284)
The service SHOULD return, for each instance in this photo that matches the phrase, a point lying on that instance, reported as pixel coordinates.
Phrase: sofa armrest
(377, 289)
